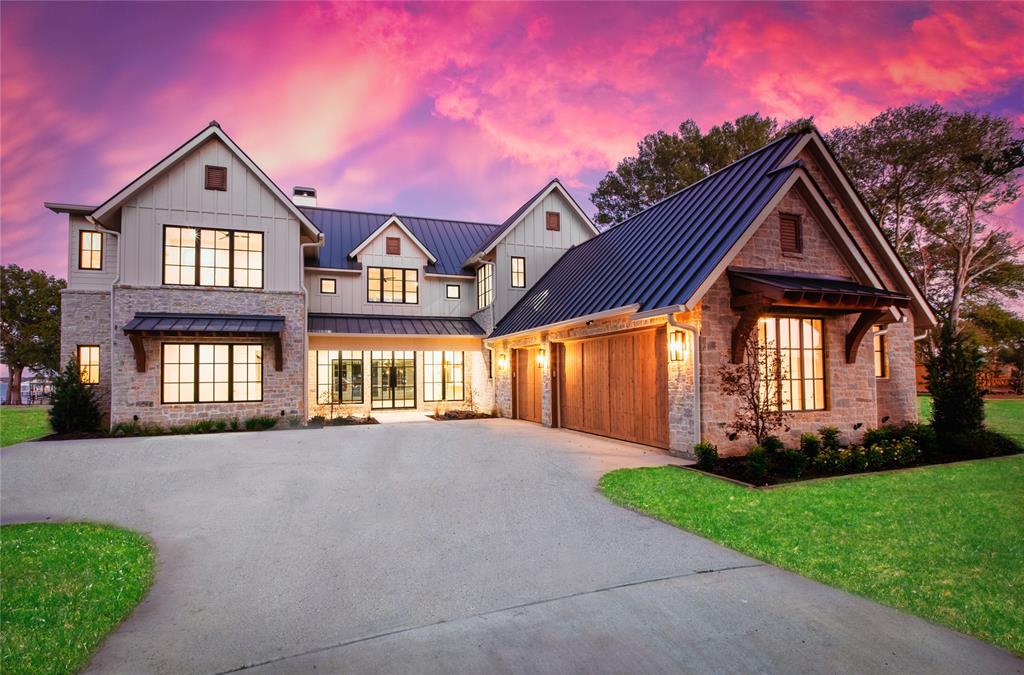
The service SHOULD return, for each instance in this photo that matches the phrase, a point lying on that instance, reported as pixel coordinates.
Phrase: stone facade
(137, 396)
(85, 320)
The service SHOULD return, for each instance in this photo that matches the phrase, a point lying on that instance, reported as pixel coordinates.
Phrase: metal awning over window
(160, 324)
(376, 324)
(759, 292)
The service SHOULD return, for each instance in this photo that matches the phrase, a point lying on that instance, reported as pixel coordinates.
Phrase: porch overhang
(756, 293)
(378, 324)
(161, 324)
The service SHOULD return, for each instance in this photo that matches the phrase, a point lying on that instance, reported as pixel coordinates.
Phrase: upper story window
(89, 363)
(797, 344)
(90, 250)
(204, 257)
(518, 272)
(881, 354)
(553, 220)
(328, 286)
(484, 285)
(392, 284)
(216, 178)
(790, 233)
(453, 291)
(393, 246)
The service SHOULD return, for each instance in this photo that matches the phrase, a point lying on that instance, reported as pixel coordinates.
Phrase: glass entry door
(392, 380)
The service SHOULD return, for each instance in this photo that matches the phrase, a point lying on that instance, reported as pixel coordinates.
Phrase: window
(490, 363)
(453, 291)
(90, 250)
(484, 285)
(393, 246)
(328, 286)
(518, 272)
(339, 376)
(790, 233)
(391, 284)
(881, 354)
(202, 257)
(443, 376)
(553, 220)
(207, 373)
(88, 358)
(798, 345)
(216, 178)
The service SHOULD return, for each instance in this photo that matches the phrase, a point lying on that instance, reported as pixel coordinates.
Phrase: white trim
(439, 275)
(392, 220)
(555, 184)
(872, 227)
(211, 131)
(332, 269)
(605, 314)
(371, 336)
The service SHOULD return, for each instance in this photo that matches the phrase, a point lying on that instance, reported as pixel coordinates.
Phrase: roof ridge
(399, 215)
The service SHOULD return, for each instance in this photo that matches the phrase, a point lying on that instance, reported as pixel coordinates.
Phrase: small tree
(74, 407)
(958, 400)
(756, 382)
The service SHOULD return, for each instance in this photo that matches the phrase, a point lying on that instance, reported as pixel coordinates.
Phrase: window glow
(484, 285)
(208, 373)
(797, 343)
(392, 285)
(207, 257)
(90, 250)
(89, 363)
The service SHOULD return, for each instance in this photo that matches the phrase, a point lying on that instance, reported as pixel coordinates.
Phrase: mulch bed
(461, 415)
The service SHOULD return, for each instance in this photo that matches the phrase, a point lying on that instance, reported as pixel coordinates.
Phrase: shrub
(922, 434)
(810, 444)
(260, 423)
(233, 423)
(203, 427)
(829, 438)
(958, 400)
(757, 463)
(791, 462)
(983, 443)
(317, 420)
(294, 421)
(221, 424)
(136, 429)
(772, 444)
(830, 460)
(73, 407)
(706, 454)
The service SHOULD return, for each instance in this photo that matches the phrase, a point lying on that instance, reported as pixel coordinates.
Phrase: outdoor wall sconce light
(542, 357)
(503, 359)
(678, 346)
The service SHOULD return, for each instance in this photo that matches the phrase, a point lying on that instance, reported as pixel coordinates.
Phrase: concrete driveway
(479, 546)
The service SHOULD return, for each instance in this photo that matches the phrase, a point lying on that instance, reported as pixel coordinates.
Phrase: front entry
(528, 385)
(392, 380)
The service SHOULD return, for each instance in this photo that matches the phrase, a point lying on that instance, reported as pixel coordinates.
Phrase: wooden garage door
(528, 374)
(617, 386)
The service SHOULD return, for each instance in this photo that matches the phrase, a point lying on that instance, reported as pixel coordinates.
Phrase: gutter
(305, 318)
(617, 311)
(113, 284)
(670, 316)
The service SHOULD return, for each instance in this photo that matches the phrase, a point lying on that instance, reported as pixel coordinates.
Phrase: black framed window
(339, 376)
(206, 257)
(881, 354)
(798, 344)
(90, 250)
(88, 358)
(211, 373)
(484, 285)
(443, 376)
(392, 285)
(328, 286)
(518, 272)
(453, 291)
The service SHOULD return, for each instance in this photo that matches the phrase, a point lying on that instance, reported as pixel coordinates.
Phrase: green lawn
(65, 586)
(1005, 415)
(943, 542)
(22, 423)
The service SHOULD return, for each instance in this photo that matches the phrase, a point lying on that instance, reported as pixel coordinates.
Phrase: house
(201, 290)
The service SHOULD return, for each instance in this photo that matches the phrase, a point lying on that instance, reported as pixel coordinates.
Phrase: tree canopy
(29, 323)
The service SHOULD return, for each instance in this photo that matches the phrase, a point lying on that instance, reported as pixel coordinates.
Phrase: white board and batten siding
(179, 197)
(540, 246)
(351, 294)
(90, 280)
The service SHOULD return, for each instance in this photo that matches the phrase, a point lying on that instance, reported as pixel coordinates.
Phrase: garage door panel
(595, 386)
(572, 385)
(623, 389)
(528, 384)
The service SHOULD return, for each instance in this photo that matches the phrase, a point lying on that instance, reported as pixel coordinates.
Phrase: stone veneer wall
(85, 320)
(479, 393)
(138, 394)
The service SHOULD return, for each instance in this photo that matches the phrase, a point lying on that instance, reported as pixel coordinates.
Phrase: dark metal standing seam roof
(803, 283)
(226, 324)
(451, 242)
(393, 325)
(660, 256)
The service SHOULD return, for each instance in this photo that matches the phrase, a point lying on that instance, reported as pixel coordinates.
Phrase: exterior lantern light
(542, 358)
(678, 346)
(503, 359)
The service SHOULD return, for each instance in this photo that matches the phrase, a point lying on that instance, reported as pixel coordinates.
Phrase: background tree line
(932, 178)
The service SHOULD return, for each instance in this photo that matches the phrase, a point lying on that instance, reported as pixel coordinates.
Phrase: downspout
(305, 319)
(693, 330)
(113, 285)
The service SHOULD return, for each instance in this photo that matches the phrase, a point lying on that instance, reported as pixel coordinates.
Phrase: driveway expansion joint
(468, 617)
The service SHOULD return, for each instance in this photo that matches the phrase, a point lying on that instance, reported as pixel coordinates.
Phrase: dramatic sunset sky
(459, 110)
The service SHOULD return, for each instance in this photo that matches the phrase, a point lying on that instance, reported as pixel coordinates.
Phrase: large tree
(29, 324)
(668, 162)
